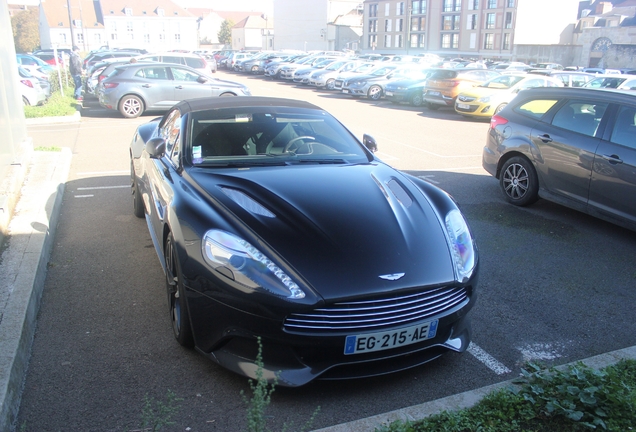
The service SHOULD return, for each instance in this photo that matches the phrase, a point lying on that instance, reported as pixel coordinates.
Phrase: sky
(266, 6)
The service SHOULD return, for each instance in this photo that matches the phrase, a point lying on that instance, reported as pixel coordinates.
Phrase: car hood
(479, 92)
(341, 227)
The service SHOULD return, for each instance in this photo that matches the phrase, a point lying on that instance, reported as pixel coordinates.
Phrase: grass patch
(57, 105)
(48, 149)
(574, 399)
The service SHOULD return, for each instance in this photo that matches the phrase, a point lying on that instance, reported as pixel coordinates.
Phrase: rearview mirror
(156, 148)
(370, 143)
(202, 79)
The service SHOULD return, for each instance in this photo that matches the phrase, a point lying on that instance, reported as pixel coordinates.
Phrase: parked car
(372, 85)
(35, 91)
(137, 87)
(287, 71)
(194, 61)
(264, 215)
(251, 64)
(272, 70)
(34, 64)
(573, 146)
(326, 78)
(550, 66)
(492, 96)
(234, 57)
(99, 72)
(569, 78)
(444, 85)
(409, 90)
(619, 82)
(301, 75)
(363, 69)
(49, 57)
(100, 56)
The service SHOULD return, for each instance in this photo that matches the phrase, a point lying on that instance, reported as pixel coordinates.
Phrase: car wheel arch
(141, 98)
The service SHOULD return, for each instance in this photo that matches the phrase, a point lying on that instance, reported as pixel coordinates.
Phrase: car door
(189, 84)
(613, 186)
(154, 83)
(567, 142)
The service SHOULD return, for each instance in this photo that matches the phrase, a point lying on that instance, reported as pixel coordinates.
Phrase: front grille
(471, 108)
(377, 313)
(466, 98)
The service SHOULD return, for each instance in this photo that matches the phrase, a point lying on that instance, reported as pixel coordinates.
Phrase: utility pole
(70, 22)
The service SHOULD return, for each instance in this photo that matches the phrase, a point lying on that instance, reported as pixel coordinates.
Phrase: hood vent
(247, 203)
(399, 192)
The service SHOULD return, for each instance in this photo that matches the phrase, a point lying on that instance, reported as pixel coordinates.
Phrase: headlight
(246, 91)
(462, 245)
(238, 260)
(485, 99)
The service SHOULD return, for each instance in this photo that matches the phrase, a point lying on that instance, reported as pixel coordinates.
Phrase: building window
(373, 26)
(129, 26)
(450, 40)
(373, 41)
(399, 43)
(399, 8)
(472, 22)
(508, 20)
(510, 3)
(387, 25)
(80, 38)
(418, 23)
(113, 36)
(450, 22)
(386, 9)
(177, 38)
(506, 41)
(373, 10)
(147, 38)
(98, 38)
(162, 38)
(160, 12)
(452, 5)
(489, 41)
(399, 25)
(490, 21)
(62, 38)
(387, 41)
(128, 11)
(492, 4)
(473, 4)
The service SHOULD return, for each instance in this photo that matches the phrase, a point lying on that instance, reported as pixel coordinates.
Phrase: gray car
(572, 146)
(138, 87)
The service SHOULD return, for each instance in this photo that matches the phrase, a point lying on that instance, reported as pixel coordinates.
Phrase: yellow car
(489, 98)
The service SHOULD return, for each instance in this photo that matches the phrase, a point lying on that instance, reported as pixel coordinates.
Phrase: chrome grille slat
(377, 313)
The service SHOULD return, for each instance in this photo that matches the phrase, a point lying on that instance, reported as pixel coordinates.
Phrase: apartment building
(484, 29)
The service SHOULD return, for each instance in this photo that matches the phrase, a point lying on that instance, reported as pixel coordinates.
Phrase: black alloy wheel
(176, 296)
(519, 182)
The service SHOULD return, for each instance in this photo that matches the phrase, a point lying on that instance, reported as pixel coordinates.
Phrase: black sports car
(272, 221)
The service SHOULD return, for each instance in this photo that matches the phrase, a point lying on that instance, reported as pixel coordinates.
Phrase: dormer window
(160, 12)
(128, 11)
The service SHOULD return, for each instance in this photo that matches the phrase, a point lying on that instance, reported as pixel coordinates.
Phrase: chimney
(603, 7)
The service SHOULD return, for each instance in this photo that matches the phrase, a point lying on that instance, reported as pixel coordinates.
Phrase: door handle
(179, 87)
(613, 159)
(146, 86)
(545, 138)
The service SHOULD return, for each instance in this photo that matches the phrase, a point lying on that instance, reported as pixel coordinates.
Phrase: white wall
(299, 24)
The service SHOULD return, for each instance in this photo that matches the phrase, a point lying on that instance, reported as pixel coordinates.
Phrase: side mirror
(156, 148)
(202, 79)
(369, 143)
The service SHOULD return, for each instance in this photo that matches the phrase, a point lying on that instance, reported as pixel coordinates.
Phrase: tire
(176, 296)
(432, 106)
(519, 182)
(416, 100)
(138, 203)
(131, 106)
(500, 107)
(331, 83)
(375, 92)
(227, 94)
(254, 70)
(25, 101)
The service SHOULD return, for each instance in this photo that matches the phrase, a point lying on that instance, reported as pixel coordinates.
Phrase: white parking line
(84, 196)
(490, 362)
(92, 173)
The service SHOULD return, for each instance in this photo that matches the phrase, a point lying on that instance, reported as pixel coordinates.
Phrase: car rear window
(444, 74)
(535, 108)
(194, 62)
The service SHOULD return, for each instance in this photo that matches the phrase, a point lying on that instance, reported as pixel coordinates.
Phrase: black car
(573, 146)
(272, 221)
(407, 90)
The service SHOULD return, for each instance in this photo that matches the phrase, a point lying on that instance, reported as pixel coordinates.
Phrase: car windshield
(270, 136)
(335, 65)
(502, 82)
(383, 71)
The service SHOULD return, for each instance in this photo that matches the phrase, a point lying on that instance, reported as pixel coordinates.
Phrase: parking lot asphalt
(24, 265)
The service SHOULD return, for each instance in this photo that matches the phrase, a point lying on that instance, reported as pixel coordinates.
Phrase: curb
(73, 118)
(23, 266)
(463, 400)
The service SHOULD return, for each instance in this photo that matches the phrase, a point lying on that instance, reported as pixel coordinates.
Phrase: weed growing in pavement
(261, 398)
(156, 414)
(573, 399)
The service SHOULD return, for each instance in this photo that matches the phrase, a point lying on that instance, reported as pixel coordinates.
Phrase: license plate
(345, 91)
(434, 93)
(389, 93)
(370, 342)
(463, 106)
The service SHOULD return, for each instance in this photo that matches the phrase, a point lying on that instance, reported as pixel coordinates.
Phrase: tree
(26, 33)
(225, 34)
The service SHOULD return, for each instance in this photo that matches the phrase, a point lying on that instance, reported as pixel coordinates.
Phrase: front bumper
(438, 98)
(474, 109)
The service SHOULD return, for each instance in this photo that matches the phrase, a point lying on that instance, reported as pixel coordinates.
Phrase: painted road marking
(103, 187)
(490, 362)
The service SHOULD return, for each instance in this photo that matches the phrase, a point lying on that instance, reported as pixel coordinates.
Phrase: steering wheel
(292, 141)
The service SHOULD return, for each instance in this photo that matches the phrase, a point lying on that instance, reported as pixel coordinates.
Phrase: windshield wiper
(317, 161)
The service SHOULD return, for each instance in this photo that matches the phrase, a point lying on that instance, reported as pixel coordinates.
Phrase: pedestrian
(76, 72)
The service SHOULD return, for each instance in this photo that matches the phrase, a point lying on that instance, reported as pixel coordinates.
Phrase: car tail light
(451, 83)
(497, 120)
(27, 83)
(101, 78)
(110, 85)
